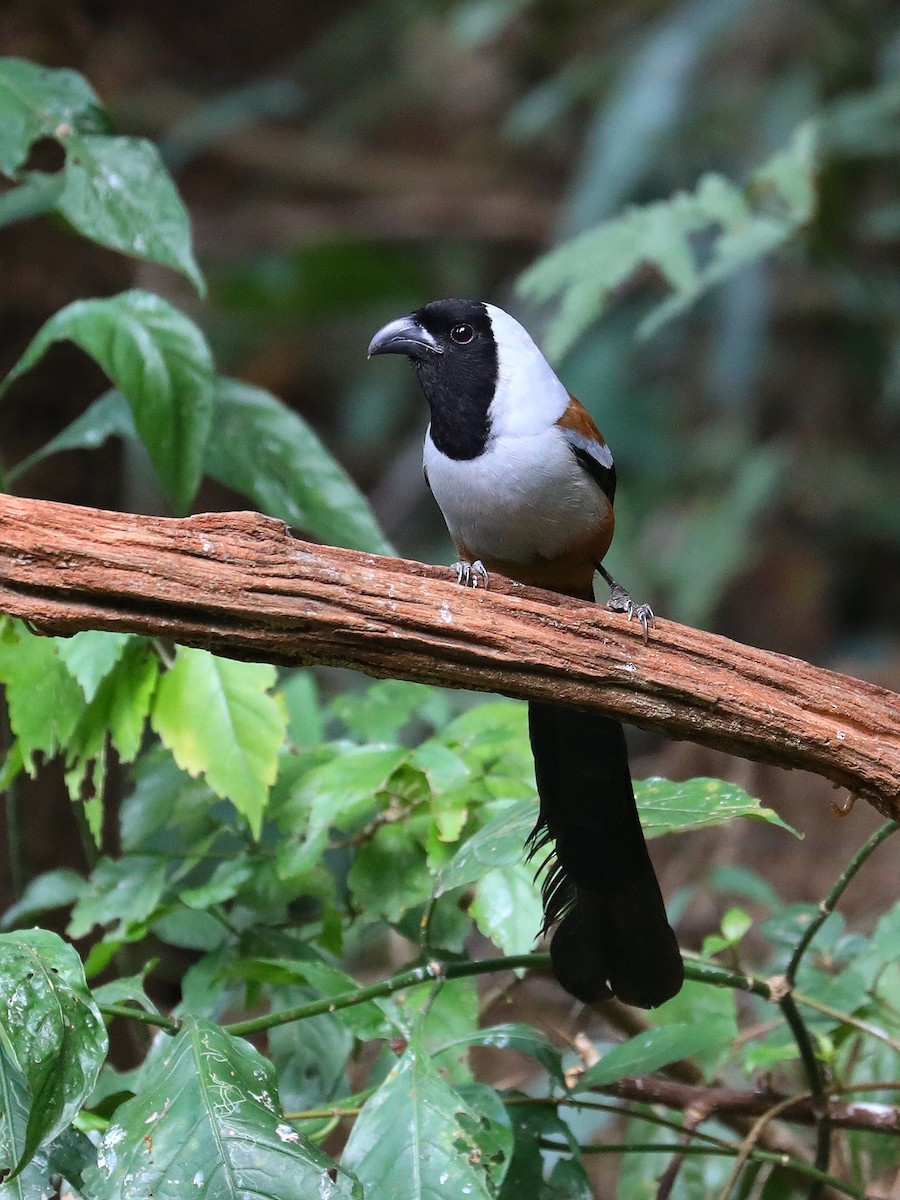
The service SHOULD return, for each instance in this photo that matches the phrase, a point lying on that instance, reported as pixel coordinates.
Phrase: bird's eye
(462, 334)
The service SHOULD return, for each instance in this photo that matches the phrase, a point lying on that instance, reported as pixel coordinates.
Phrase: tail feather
(613, 936)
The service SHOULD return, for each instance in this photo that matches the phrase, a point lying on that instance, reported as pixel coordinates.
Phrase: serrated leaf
(209, 1123)
(413, 1140)
(117, 192)
(655, 1048)
(45, 703)
(52, 1028)
(118, 712)
(36, 102)
(507, 907)
(261, 448)
(160, 361)
(90, 655)
(669, 807)
(219, 719)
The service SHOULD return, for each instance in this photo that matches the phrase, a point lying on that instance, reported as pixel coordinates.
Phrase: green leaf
(53, 889)
(381, 711)
(334, 795)
(118, 193)
(90, 656)
(413, 1139)
(45, 703)
(308, 1056)
(212, 1117)
(36, 194)
(118, 711)
(517, 1037)
(39, 102)
(127, 987)
(507, 907)
(668, 807)
(390, 874)
(121, 893)
(655, 1048)
(160, 361)
(35, 1181)
(261, 448)
(743, 224)
(51, 1027)
(220, 720)
(525, 1178)
(500, 843)
(107, 417)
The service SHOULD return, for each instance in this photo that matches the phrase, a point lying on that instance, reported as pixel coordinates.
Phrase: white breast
(524, 497)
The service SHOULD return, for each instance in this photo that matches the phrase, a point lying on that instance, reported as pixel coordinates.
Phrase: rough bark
(238, 584)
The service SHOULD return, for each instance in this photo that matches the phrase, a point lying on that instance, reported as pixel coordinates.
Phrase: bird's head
(481, 373)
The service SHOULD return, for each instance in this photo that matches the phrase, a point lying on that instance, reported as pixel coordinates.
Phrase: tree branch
(752, 1102)
(240, 585)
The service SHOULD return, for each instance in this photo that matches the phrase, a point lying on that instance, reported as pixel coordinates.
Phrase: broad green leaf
(160, 361)
(334, 795)
(261, 448)
(669, 807)
(121, 893)
(127, 987)
(53, 889)
(520, 1039)
(36, 194)
(413, 1139)
(743, 224)
(209, 1124)
(35, 1181)
(500, 843)
(531, 1124)
(223, 883)
(107, 417)
(219, 719)
(380, 712)
(39, 102)
(45, 703)
(655, 1048)
(308, 1056)
(118, 193)
(51, 1027)
(507, 907)
(90, 656)
(390, 873)
(698, 1004)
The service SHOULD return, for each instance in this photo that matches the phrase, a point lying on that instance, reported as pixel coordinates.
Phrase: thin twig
(827, 906)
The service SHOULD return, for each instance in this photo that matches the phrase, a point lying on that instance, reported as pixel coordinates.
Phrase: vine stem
(766, 1156)
(827, 906)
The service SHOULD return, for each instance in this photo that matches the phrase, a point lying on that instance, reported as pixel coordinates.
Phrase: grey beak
(404, 336)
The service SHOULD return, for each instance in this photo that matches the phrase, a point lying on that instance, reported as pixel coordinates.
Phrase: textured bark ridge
(239, 584)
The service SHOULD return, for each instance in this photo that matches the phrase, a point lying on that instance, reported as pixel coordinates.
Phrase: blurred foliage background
(344, 163)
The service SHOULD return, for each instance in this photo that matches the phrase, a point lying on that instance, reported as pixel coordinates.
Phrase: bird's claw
(471, 574)
(621, 601)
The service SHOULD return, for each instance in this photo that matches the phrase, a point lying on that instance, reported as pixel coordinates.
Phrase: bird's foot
(470, 574)
(620, 601)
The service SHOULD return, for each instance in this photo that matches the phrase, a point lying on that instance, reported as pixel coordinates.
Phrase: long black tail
(613, 937)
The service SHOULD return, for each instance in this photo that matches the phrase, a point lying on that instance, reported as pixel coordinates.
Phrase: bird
(526, 483)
